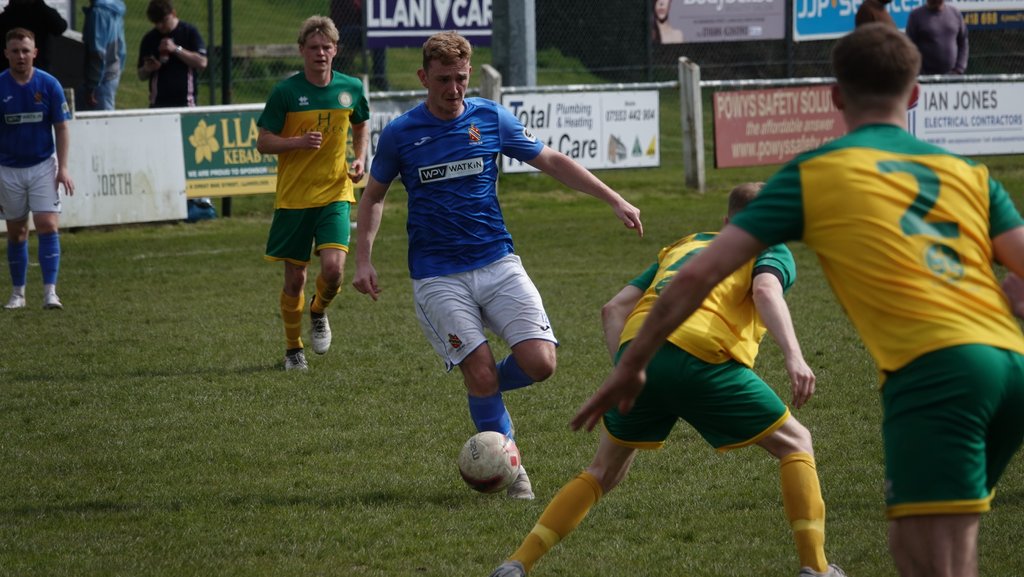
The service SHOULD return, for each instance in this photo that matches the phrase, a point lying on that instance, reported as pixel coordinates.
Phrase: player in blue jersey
(466, 275)
(34, 141)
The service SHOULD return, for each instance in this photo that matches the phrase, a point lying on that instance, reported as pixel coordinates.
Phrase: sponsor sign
(970, 119)
(756, 127)
(596, 129)
(728, 20)
(824, 19)
(411, 22)
(220, 155)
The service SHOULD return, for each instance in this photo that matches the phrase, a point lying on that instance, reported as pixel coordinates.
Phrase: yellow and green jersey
(312, 178)
(903, 231)
(726, 326)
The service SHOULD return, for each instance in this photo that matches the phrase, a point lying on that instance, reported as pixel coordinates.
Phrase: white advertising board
(126, 169)
(970, 119)
(597, 129)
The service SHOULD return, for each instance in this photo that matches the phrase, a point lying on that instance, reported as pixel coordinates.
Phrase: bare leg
(935, 545)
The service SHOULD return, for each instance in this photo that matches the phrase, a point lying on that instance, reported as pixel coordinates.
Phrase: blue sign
(822, 19)
(411, 22)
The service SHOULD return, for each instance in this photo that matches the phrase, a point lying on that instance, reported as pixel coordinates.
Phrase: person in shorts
(907, 234)
(33, 165)
(466, 274)
(703, 376)
(306, 122)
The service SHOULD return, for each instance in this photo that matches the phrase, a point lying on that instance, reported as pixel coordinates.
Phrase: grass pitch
(149, 430)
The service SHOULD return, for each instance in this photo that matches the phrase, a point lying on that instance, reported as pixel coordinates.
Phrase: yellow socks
(560, 517)
(291, 314)
(805, 509)
(324, 296)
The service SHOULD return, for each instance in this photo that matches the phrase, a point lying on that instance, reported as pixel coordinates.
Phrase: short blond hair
(318, 25)
(447, 48)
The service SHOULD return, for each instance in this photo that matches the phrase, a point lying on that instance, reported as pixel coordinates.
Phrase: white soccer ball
(489, 462)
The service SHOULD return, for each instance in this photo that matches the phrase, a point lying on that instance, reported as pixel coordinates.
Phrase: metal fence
(607, 41)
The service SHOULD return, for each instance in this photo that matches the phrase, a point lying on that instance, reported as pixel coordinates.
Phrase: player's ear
(423, 76)
(915, 92)
(837, 97)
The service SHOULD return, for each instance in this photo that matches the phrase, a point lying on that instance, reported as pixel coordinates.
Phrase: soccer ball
(489, 462)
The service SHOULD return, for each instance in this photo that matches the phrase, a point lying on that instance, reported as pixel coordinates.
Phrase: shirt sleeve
(644, 279)
(272, 117)
(1002, 214)
(778, 260)
(384, 167)
(516, 140)
(776, 214)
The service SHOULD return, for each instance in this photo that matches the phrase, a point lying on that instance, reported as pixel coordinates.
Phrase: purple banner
(411, 22)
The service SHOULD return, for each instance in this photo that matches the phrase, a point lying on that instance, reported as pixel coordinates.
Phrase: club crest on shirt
(454, 341)
(529, 135)
(345, 99)
(474, 134)
(39, 97)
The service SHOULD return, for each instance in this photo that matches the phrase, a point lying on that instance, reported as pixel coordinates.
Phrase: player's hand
(356, 171)
(311, 140)
(151, 64)
(801, 379)
(365, 281)
(64, 178)
(630, 216)
(621, 389)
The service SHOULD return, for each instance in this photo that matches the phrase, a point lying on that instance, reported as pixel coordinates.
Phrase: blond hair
(318, 25)
(447, 48)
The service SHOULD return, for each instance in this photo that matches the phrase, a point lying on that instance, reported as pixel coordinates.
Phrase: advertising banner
(411, 22)
(825, 19)
(221, 157)
(685, 21)
(596, 129)
(131, 174)
(970, 119)
(755, 127)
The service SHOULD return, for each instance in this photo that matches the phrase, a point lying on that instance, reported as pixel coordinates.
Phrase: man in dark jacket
(35, 15)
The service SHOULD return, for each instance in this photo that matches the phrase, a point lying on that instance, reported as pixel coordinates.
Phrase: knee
(539, 365)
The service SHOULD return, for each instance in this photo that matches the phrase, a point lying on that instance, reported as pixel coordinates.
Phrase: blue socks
(490, 414)
(49, 257)
(511, 375)
(17, 262)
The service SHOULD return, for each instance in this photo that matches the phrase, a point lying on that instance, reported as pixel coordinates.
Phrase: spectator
(940, 34)
(39, 18)
(171, 56)
(34, 143)
(105, 53)
(348, 17)
(873, 11)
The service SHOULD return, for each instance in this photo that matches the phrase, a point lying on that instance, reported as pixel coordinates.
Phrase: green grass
(148, 430)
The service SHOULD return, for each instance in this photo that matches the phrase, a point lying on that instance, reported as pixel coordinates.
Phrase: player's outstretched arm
(771, 305)
(371, 209)
(572, 174)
